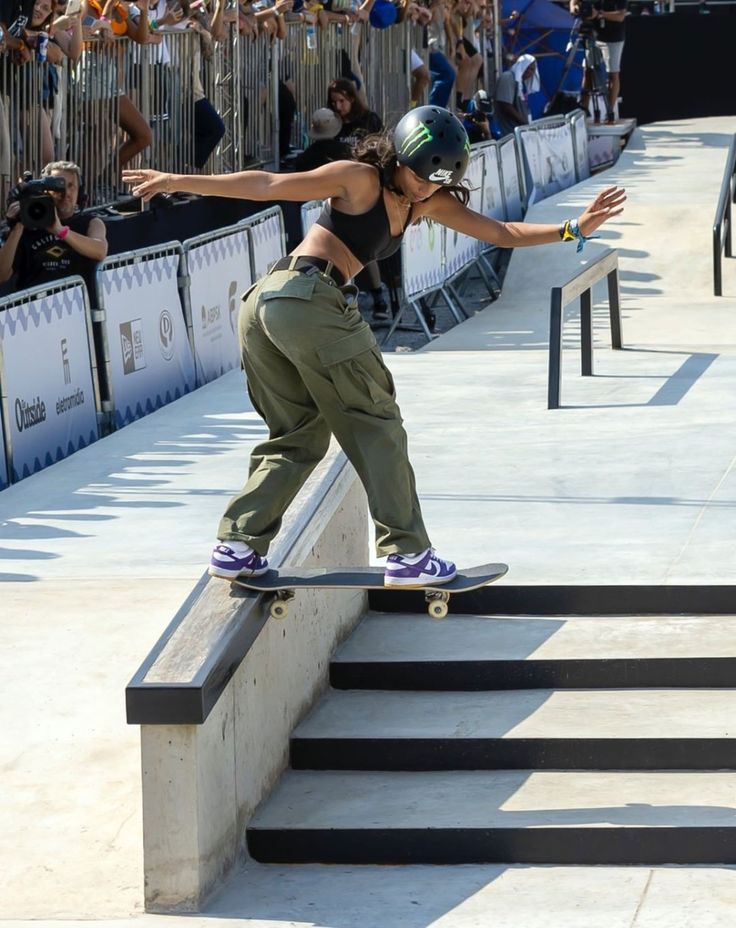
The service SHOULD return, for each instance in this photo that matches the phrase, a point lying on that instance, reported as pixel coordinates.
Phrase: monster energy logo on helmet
(433, 143)
(418, 136)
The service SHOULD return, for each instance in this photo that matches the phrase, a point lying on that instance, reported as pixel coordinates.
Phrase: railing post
(614, 309)
(555, 349)
(586, 333)
(717, 282)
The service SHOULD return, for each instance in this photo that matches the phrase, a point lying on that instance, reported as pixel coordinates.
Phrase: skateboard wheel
(278, 610)
(437, 609)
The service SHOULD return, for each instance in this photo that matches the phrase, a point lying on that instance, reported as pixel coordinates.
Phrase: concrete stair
(582, 740)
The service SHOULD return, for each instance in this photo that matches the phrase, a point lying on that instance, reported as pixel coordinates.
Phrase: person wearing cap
(325, 147)
(312, 364)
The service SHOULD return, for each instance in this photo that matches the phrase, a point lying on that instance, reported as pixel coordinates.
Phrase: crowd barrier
(547, 153)
(165, 319)
(81, 110)
(48, 377)
(148, 359)
(217, 271)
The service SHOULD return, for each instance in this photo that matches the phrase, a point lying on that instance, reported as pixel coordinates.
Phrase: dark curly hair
(378, 149)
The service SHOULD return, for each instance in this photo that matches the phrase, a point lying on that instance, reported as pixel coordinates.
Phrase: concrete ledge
(220, 692)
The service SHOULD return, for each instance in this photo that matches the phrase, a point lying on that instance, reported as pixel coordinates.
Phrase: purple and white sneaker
(418, 570)
(231, 559)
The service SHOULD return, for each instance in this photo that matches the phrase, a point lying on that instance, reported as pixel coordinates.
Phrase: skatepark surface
(630, 482)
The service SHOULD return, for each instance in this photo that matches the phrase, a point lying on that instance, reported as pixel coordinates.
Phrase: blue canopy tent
(541, 28)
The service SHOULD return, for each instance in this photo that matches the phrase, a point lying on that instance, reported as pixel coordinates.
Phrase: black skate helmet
(433, 143)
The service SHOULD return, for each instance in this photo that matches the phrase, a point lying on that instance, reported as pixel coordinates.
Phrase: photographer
(476, 120)
(604, 19)
(67, 243)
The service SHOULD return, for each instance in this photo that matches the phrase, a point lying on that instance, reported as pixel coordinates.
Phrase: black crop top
(367, 235)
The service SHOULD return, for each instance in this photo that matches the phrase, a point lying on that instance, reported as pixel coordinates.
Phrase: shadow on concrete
(350, 897)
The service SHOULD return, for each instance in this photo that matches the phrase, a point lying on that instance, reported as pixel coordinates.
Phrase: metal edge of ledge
(190, 701)
(594, 600)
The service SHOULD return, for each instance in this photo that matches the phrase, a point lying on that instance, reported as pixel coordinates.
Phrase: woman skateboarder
(312, 364)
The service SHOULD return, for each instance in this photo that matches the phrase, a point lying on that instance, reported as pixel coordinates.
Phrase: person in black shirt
(325, 147)
(607, 19)
(357, 120)
(74, 244)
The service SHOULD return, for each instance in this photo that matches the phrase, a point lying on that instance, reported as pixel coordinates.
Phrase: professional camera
(37, 207)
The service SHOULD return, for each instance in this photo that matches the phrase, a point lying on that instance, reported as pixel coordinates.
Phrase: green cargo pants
(313, 369)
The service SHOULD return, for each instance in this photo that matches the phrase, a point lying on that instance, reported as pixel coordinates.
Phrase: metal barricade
(238, 81)
(159, 81)
(309, 71)
(387, 68)
(93, 117)
(25, 120)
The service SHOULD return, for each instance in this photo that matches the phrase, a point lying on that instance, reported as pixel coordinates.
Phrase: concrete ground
(632, 481)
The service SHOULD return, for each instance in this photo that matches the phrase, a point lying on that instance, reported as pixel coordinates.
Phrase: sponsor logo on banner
(67, 403)
(131, 344)
(166, 335)
(29, 414)
(65, 361)
(210, 316)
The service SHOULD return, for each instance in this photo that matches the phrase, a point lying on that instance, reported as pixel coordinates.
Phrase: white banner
(460, 249)
(266, 239)
(421, 258)
(580, 146)
(558, 156)
(150, 360)
(310, 213)
(219, 274)
(492, 192)
(511, 183)
(549, 159)
(47, 385)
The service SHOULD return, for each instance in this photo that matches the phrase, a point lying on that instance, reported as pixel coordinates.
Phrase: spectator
(477, 118)
(115, 19)
(325, 147)
(357, 120)
(440, 69)
(73, 244)
(512, 91)
(468, 60)
(419, 79)
(357, 123)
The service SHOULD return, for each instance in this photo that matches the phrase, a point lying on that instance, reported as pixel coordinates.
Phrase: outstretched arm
(445, 209)
(331, 180)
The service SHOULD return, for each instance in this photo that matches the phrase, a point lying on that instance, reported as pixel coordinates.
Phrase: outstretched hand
(146, 183)
(608, 203)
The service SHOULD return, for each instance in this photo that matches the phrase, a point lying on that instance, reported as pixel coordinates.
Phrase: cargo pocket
(298, 287)
(359, 376)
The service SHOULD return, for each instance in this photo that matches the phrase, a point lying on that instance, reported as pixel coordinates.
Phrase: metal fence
(125, 103)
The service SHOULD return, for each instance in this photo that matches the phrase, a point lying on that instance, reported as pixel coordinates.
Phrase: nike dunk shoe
(418, 570)
(231, 559)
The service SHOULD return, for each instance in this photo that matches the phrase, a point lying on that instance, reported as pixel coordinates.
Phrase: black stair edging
(503, 599)
(573, 673)
(614, 845)
(447, 754)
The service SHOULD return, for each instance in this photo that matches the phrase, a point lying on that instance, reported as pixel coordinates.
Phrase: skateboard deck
(284, 582)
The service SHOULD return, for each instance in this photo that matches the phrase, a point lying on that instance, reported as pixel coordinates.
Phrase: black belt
(306, 264)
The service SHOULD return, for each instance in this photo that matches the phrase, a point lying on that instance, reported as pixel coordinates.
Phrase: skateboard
(284, 583)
